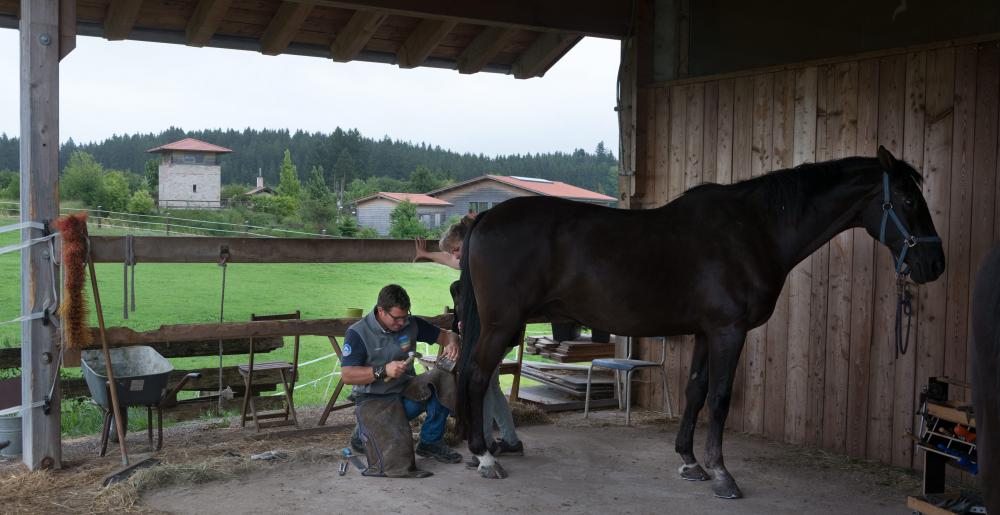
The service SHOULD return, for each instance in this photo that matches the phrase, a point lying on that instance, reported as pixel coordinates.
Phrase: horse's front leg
(484, 362)
(697, 390)
(724, 355)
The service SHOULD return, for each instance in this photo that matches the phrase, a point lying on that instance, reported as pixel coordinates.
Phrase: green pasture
(192, 293)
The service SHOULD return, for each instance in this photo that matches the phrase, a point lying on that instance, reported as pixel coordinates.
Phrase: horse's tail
(467, 310)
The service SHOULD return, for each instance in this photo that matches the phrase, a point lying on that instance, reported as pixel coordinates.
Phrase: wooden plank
(760, 164)
(424, 39)
(678, 140)
(936, 169)
(776, 366)
(658, 181)
(542, 54)
(67, 27)
(11, 358)
(841, 133)
(124, 336)
(710, 163)
(724, 145)
(205, 249)
(693, 170)
(800, 278)
(205, 21)
(120, 19)
(985, 160)
(484, 48)
(816, 388)
(284, 26)
(958, 244)
(901, 104)
(742, 143)
(39, 194)
(863, 275)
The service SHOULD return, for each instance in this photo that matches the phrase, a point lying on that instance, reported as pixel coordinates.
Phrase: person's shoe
(502, 447)
(439, 451)
(358, 446)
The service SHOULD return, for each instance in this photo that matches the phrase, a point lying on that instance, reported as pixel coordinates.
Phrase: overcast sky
(128, 87)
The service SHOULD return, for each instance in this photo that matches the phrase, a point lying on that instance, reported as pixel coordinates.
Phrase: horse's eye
(909, 202)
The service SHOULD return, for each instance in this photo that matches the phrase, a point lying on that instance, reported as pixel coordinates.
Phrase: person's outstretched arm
(442, 258)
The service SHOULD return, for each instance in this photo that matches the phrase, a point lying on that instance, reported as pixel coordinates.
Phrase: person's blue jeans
(433, 428)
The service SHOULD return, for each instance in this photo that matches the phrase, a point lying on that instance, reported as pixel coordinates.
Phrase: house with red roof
(374, 210)
(484, 192)
(190, 175)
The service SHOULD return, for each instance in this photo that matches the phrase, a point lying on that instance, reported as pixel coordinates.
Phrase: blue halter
(909, 240)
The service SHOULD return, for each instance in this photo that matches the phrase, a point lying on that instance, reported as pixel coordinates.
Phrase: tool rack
(947, 438)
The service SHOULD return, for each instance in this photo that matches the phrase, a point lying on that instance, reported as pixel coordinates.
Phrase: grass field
(191, 293)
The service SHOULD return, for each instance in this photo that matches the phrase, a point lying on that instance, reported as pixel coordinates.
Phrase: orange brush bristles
(73, 230)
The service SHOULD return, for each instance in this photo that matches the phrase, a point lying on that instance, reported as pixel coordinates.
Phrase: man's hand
(395, 369)
(421, 248)
(451, 350)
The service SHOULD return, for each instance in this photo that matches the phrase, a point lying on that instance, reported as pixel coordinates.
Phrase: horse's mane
(786, 191)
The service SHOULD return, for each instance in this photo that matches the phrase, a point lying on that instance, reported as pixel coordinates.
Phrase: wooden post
(40, 43)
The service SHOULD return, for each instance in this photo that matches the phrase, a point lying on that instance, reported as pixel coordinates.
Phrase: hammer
(407, 363)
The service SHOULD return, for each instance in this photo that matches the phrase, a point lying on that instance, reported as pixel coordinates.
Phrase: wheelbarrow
(141, 377)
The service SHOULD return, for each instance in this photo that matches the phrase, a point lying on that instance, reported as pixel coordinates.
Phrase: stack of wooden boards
(575, 351)
(564, 386)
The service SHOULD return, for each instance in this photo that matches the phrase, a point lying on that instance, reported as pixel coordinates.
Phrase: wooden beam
(283, 27)
(124, 336)
(67, 27)
(11, 358)
(540, 56)
(205, 21)
(422, 41)
(120, 18)
(599, 18)
(41, 443)
(195, 249)
(485, 47)
(355, 35)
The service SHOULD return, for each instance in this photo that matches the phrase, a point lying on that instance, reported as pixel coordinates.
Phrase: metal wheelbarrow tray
(141, 377)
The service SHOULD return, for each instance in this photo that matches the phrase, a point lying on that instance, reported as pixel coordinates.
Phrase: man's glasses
(401, 318)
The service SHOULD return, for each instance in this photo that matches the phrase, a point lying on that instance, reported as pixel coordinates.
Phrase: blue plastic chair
(628, 366)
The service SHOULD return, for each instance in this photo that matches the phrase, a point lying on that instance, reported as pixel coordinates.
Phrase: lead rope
(223, 259)
(904, 307)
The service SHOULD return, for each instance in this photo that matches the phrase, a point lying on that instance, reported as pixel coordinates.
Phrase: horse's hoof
(693, 473)
(726, 488)
(494, 471)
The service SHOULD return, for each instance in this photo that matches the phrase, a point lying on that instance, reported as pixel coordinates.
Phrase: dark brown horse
(711, 263)
(986, 375)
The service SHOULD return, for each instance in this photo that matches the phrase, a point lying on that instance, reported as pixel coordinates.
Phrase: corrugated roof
(539, 186)
(417, 198)
(190, 145)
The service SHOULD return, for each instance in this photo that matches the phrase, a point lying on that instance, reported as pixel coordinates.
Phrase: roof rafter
(283, 27)
(485, 47)
(599, 18)
(540, 56)
(205, 21)
(355, 35)
(422, 41)
(120, 18)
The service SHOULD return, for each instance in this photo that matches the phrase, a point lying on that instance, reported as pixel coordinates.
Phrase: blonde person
(495, 406)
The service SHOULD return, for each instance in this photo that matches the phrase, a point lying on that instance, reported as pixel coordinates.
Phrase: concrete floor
(574, 466)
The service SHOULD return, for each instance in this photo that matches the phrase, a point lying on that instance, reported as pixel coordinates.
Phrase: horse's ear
(886, 159)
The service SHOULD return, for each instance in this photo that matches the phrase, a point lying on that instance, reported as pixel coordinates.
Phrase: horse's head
(898, 217)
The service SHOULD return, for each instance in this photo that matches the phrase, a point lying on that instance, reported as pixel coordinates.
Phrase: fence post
(99, 211)
(168, 223)
(246, 229)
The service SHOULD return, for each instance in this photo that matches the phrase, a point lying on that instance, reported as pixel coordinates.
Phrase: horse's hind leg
(724, 355)
(697, 390)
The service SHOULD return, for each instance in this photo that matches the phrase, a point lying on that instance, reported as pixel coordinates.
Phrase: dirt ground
(571, 465)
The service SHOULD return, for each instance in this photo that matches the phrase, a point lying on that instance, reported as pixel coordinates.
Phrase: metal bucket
(10, 429)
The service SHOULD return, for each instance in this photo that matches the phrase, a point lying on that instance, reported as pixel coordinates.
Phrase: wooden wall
(823, 371)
